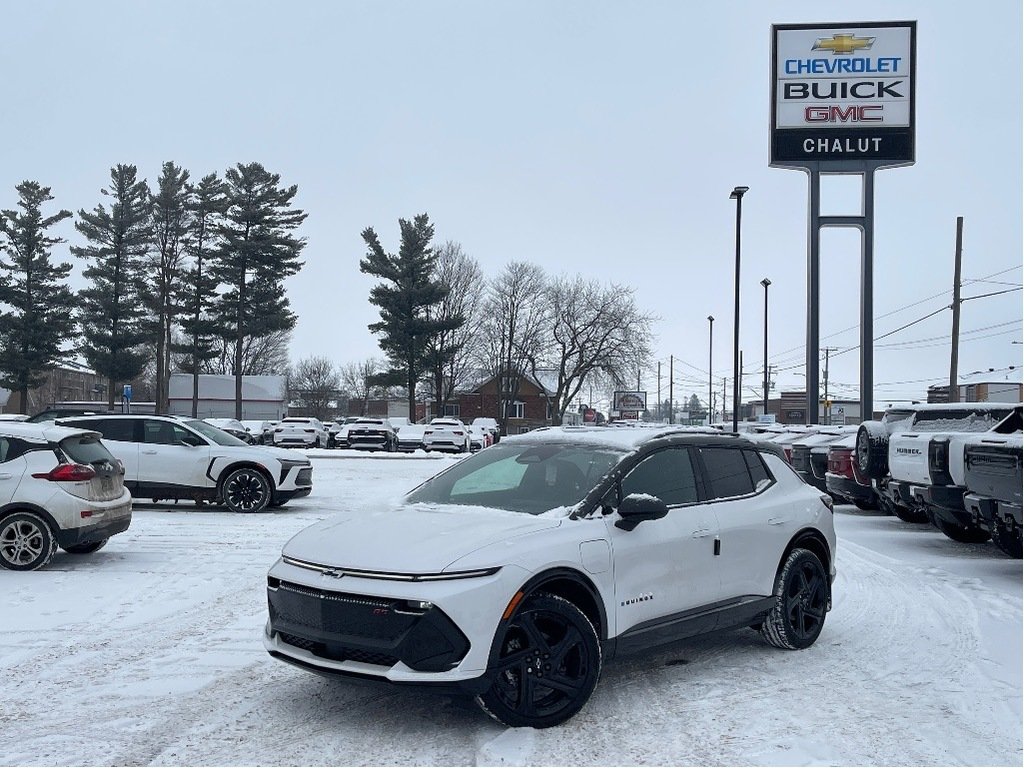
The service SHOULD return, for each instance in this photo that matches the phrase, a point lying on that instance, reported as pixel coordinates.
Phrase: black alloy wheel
(26, 542)
(546, 664)
(801, 601)
(246, 490)
(1007, 539)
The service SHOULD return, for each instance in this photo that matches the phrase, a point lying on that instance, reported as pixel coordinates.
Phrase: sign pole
(813, 292)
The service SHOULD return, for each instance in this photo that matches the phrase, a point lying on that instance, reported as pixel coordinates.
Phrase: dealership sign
(843, 92)
(629, 401)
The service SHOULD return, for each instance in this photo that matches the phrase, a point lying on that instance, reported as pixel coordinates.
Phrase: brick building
(530, 409)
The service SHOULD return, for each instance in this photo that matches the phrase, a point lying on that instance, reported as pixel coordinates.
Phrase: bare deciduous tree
(595, 331)
(513, 328)
(313, 381)
(261, 355)
(358, 381)
(451, 351)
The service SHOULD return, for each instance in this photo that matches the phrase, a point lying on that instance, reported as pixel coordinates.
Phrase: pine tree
(40, 316)
(171, 214)
(198, 289)
(257, 252)
(112, 310)
(405, 325)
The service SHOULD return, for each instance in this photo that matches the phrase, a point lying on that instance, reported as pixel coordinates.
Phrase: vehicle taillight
(428, 432)
(789, 454)
(67, 473)
(938, 462)
(456, 432)
(827, 501)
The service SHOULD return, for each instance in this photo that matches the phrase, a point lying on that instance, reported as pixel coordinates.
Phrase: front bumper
(370, 627)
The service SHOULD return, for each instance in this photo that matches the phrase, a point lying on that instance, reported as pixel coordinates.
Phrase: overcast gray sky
(593, 137)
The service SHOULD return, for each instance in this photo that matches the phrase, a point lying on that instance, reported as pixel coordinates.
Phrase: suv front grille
(305, 476)
(339, 652)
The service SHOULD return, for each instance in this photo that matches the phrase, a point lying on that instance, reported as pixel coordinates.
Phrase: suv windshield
(219, 436)
(526, 478)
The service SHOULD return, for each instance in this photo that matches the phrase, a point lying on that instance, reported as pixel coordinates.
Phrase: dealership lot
(149, 652)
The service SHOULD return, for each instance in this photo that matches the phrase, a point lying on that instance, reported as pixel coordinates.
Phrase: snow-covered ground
(149, 652)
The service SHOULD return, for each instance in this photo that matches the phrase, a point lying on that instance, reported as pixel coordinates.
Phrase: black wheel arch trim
(536, 584)
(818, 543)
(24, 506)
(244, 464)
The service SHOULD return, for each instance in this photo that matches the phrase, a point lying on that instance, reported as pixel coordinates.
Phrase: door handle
(150, 452)
(777, 520)
(701, 533)
(5, 475)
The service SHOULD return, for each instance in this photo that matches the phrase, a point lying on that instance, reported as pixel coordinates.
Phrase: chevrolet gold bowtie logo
(842, 44)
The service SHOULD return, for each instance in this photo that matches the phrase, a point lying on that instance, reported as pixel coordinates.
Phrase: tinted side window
(758, 472)
(115, 429)
(4, 444)
(727, 472)
(163, 433)
(667, 474)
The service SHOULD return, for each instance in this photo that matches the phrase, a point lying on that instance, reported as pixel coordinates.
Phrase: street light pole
(737, 195)
(711, 336)
(766, 282)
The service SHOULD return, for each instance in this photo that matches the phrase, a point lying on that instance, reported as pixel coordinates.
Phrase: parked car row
(397, 434)
(956, 466)
(71, 483)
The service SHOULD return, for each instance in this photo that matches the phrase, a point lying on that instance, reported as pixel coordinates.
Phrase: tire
(26, 542)
(909, 514)
(1007, 540)
(801, 602)
(966, 534)
(872, 450)
(86, 549)
(548, 641)
(464, 448)
(246, 490)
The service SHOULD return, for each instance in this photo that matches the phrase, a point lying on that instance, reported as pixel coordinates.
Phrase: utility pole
(954, 389)
(740, 398)
(659, 390)
(671, 400)
(828, 410)
(725, 399)
(637, 379)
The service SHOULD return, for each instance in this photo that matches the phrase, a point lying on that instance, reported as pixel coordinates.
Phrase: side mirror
(192, 441)
(638, 507)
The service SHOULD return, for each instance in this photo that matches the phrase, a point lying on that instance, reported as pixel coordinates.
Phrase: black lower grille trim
(339, 652)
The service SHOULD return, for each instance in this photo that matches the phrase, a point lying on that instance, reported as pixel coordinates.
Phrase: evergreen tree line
(182, 276)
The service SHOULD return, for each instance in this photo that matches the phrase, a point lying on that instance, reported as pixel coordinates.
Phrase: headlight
(287, 464)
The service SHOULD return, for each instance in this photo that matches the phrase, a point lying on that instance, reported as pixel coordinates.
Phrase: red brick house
(530, 409)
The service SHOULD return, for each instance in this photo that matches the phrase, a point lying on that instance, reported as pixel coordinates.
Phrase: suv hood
(410, 539)
(280, 453)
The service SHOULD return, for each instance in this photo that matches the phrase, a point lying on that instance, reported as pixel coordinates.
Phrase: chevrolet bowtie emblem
(842, 44)
(333, 573)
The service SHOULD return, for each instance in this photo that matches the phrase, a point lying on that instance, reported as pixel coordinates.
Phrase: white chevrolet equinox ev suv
(166, 457)
(514, 574)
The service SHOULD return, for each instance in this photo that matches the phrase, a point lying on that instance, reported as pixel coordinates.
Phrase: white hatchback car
(166, 457)
(515, 573)
(301, 432)
(58, 488)
(444, 434)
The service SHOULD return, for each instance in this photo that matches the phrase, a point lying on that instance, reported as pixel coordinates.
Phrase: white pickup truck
(926, 462)
(874, 450)
(993, 475)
